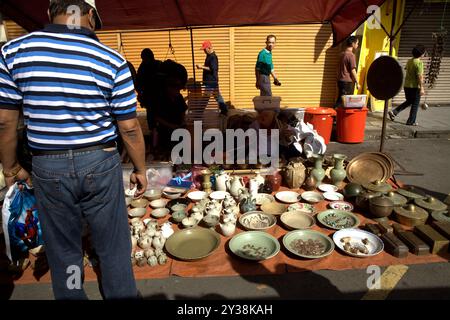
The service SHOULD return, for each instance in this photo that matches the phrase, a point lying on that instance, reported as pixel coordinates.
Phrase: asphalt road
(426, 281)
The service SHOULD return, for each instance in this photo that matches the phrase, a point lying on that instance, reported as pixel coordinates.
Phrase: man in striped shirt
(77, 95)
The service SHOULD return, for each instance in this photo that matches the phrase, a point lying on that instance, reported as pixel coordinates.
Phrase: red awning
(344, 15)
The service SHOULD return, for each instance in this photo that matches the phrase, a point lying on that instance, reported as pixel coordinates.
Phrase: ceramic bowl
(355, 236)
(160, 212)
(156, 204)
(171, 195)
(189, 222)
(218, 195)
(337, 219)
(178, 207)
(297, 220)
(139, 203)
(196, 196)
(287, 196)
(328, 187)
(341, 205)
(291, 241)
(333, 196)
(137, 212)
(262, 198)
(312, 196)
(152, 194)
(254, 245)
(173, 202)
(257, 220)
(178, 216)
(303, 207)
(174, 190)
(273, 208)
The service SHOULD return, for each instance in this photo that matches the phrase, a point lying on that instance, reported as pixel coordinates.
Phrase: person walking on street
(72, 90)
(347, 77)
(414, 87)
(264, 68)
(211, 76)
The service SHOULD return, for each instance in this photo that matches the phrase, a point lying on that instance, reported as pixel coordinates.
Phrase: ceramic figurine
(162, 259)
(153, 223)
(318, 172)
(221, 181)
(157, 243)
(258, 177)
(145, 242)
(197, 216)
(150, 232)
(141, 262)
(149, 252)
(338, 173)
(152, 261)
(228, 228)
(139, 254)
(159, 252)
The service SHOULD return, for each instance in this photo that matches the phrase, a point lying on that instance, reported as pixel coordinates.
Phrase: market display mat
(223, 263)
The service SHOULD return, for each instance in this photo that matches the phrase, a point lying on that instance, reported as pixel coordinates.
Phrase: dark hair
(271, 36)
(59, 7)
(147, 55)
(418, 51)
(351, 40)
(173, 71)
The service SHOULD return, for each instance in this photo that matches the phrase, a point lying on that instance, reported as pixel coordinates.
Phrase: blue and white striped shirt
(71, 87)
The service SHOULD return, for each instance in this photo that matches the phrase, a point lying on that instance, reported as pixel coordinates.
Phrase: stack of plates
(369, 167)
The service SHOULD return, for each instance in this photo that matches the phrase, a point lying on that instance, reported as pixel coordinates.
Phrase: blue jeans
(412, 96)
(74, 187)
(213, 89)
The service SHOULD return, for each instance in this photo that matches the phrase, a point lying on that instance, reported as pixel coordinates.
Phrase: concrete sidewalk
(433, 123)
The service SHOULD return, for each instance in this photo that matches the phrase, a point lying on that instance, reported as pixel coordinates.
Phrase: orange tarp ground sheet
(223, 263)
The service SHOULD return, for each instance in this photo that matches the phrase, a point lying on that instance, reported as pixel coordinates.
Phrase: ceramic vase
(338, 173)
(318, 173)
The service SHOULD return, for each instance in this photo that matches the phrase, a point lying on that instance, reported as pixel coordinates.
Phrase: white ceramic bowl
(197, 195)
(189, 222)
(287, 196)
(312, 196)
(218, 195)
(374, 246)
(152, 194)
(333, 196)
(327, 187)
(171, 195)
(139, 203)
(137, 212)
(160, 213)
(156, 204)
(297, 220)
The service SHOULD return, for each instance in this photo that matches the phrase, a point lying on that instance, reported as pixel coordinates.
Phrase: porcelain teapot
(247, 204)
(235, 184)
(222, 179)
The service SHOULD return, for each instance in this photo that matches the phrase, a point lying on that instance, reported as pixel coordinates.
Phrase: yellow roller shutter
(158, 41)
(13, 30)
(303, 61)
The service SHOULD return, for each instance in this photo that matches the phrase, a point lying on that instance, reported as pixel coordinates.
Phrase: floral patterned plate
(341, 205)
(305, 207)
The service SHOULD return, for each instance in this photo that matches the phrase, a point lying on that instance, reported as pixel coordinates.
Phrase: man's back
(71, 87)
(211, 75)
(347, 62)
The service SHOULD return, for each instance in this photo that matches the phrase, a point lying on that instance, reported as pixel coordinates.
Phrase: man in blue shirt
(76, 95)
(264, 68)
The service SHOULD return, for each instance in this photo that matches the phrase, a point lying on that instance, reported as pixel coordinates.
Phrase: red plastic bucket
(350, 125)
(322, 120)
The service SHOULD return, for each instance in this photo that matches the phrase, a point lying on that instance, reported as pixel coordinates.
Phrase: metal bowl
(381, 207)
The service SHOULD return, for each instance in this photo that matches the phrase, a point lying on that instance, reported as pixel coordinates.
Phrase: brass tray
(192, 244)
(367, 168)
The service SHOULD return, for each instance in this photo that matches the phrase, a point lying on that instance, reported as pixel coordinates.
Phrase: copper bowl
(381, 207)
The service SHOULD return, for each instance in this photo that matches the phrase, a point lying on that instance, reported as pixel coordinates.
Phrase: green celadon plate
(254, 245)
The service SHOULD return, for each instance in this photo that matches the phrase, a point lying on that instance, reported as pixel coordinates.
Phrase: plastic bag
(21, 224)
